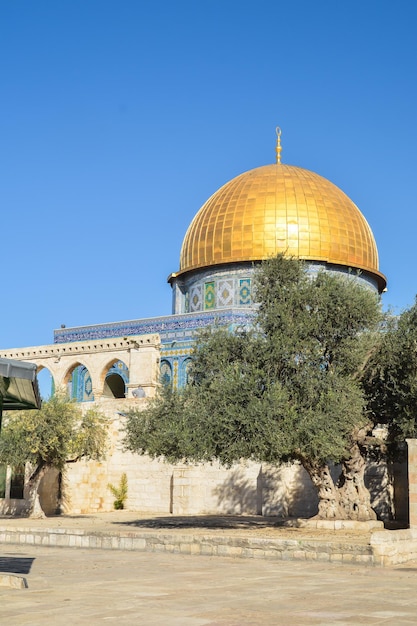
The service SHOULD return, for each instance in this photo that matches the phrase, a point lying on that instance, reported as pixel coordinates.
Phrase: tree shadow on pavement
(206, 521)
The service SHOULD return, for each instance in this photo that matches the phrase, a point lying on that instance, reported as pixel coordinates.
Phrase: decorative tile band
(170, 328)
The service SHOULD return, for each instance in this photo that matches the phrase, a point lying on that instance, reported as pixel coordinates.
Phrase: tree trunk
(34, 508)
(328, 494)
(354, 496)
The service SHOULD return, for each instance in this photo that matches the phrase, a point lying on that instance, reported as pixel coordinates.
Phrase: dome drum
(227, 286)
(232, 286)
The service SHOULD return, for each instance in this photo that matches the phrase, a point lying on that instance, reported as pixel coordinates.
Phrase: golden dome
(280, 208)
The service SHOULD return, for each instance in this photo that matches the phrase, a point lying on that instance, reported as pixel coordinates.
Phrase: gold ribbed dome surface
(280, 208)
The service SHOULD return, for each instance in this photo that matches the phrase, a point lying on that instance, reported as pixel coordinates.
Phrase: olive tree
(289, 389)
(390, 379)
(58, 434)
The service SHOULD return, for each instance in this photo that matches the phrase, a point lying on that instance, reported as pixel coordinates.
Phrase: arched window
(166, 372)
(116, 380)
(185, 372)
(80, 385)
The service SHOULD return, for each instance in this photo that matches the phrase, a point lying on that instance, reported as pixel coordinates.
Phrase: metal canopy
(18, 386)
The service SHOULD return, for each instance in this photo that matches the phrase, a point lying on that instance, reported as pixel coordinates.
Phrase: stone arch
(115, 379)
(78, 383)
(46, 381)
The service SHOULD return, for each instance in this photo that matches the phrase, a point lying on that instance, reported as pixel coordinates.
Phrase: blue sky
(120, 118)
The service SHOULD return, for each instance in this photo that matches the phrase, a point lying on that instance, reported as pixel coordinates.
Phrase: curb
(207, 545)
(384, 548)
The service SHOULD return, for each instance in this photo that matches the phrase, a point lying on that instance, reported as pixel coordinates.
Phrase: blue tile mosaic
(169, 328)
(245, 291)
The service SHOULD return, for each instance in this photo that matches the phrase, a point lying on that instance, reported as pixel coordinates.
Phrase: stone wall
(155, 486)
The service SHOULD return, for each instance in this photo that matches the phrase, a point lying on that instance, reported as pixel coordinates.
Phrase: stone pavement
(174, 579)
(153, 585)
(80, 587)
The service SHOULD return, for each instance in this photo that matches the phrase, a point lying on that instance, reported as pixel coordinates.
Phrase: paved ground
(71, 587)
(80, 587)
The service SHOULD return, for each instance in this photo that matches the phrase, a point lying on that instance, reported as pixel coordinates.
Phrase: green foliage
(289, 389)
(52, 436)
(327, 321)
(158, 431)
(90, 436)
(390, 378)
(120, 493)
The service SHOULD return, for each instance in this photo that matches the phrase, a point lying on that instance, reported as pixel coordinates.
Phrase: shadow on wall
(388, 486)
(238, 495)
(12, 507)
(284, 491)
(287, 491)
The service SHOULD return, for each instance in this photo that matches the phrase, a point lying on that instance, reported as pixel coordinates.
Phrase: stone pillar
(144, 367)
(412, 481)
(97, 392)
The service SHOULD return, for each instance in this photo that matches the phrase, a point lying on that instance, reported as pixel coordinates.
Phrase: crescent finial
(278, 148)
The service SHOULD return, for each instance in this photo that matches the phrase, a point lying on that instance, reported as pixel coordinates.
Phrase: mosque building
(268, 210)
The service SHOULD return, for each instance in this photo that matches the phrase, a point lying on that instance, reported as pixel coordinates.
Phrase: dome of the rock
(280, 208)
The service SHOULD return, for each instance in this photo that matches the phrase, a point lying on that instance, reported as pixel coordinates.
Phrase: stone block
(195, 548)
(300, 555)
(126, 543)
(185, 548)
(273, 555)
(138, 543)
(13, 582)
(348, 558)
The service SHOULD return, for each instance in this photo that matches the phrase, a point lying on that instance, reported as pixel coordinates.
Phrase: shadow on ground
(206, 521)
(15, 565)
